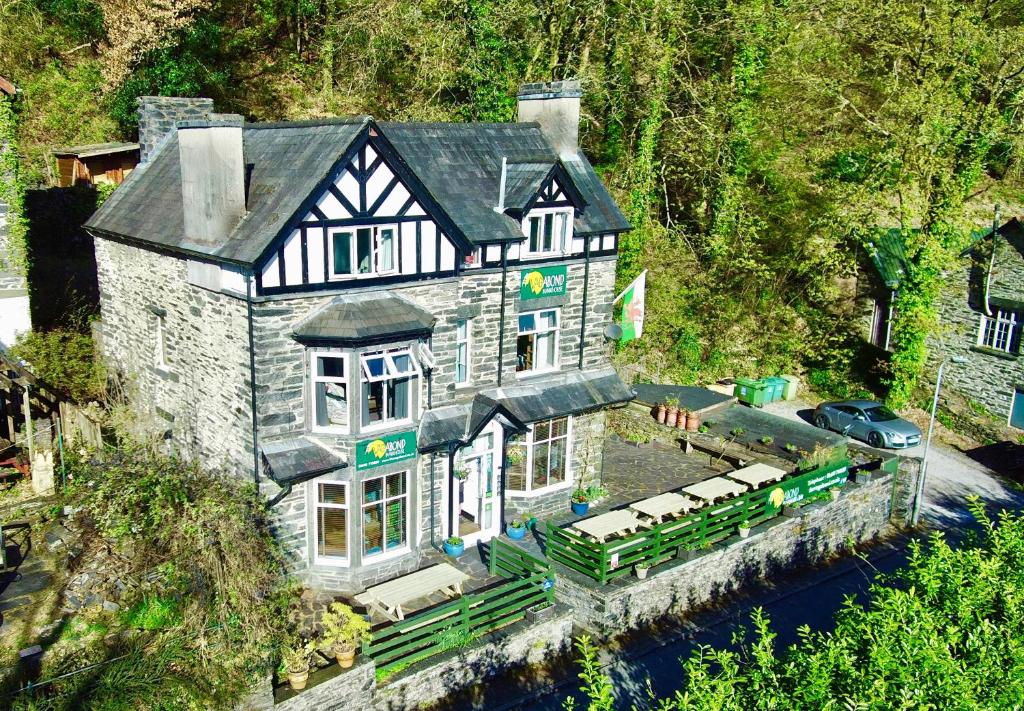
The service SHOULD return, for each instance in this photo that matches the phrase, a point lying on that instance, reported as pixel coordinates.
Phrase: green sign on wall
(386, 449)
(787, 494)
(543, 281)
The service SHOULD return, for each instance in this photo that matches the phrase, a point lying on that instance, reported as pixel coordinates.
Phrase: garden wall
(801, 537)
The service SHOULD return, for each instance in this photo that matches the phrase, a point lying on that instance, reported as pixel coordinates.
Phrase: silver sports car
(869, 421)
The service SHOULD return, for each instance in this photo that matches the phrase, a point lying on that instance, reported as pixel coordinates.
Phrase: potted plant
(767, 440)
(516, 529)
(641, 571)
(454, 546)
(744, 529)
(660, 412)
(344, 631)
(692, 421)
(516, 454)
(671, 411)
(461, 474)
(580, 502)
(680, 421)
(295, 661)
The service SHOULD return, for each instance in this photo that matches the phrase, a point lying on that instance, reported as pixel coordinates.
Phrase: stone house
(980, 313)
(396, 329)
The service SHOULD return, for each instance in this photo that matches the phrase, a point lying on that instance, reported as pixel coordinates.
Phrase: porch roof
(363, 319)
(296, 459)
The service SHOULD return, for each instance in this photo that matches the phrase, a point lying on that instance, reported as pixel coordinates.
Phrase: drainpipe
(888, 322)
(252, 390)
(451, 488)
(501, 312)
(991, 261)
(433, 503)
(586, 285)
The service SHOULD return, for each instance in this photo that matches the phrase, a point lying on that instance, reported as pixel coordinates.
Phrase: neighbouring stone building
(980, 313)
(396, 329)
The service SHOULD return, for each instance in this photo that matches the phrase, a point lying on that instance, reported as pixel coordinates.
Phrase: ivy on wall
(12, 192)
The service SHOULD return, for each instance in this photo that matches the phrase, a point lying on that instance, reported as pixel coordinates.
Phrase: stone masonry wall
(158, 114)
(816, 532)
(988, 377)
(202, 398)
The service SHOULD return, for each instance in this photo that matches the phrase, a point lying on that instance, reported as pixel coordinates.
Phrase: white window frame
(530, 445)
(465, 341)
(376, 252)
(385, 552)
(561, 230)
(536, 332)
(338, 561)
(344, 380)
(391, 372)
(1002, 322)
(160, 346)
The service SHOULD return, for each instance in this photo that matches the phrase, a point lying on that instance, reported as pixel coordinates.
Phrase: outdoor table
(716, 488)
(609, 524)
(757, 475)
(657, 507)
(388, 598)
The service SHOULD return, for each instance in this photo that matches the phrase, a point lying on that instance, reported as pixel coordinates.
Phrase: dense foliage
(64, 359)
(946, 632)
(209, 617)
(754, 144)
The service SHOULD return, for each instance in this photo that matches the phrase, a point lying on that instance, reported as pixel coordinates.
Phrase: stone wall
(159, 114)
(433, 680)
(201, 399)
(813, 533)
(989, 377)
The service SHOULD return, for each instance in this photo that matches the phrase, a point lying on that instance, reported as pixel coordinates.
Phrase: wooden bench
(389, 598)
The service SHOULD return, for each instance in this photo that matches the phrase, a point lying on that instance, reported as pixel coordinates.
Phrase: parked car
(869, 421)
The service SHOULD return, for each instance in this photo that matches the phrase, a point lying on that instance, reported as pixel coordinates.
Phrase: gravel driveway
(951, 476)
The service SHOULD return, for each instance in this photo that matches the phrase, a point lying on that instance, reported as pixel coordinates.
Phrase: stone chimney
(159, 114)
(212, 177)
(555, 106)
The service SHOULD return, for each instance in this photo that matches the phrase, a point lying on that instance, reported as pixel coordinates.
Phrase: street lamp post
(928, 441)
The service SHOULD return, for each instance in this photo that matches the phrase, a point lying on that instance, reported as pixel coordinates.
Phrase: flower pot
(670, 416)
(661, 413)
(641, 572)
(539, 612)
(680, 420)
(346, 656)
(297, 680)
(516, 533)
(835, 491)
(692, 422)
(580, 507)
(454, 549)
(744, 531)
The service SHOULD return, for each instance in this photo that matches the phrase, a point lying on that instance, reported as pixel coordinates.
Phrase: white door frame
(474, 482)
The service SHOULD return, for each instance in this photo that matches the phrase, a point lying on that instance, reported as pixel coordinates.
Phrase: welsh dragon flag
(632, 319)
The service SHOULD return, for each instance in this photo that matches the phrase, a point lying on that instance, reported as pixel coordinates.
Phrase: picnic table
(388, 598)
(756, 475)
(609, 524)
(715, 488)
(668, 504)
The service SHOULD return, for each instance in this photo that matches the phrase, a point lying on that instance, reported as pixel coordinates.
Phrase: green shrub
(65, 360)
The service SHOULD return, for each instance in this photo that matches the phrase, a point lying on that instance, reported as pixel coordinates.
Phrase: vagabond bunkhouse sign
(542, 281)
(386, 449)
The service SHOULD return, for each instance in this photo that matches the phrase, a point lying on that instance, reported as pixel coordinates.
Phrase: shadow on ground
(1005, 458)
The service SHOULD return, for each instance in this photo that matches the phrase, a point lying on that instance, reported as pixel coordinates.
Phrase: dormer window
(363, 251)
(548, 232)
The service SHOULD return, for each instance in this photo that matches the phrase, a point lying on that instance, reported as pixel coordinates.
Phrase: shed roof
(95, 149)
(296, 459)
(889, 255)
(360, 319)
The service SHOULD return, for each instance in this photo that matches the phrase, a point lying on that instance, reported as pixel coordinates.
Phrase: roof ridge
(303, 123)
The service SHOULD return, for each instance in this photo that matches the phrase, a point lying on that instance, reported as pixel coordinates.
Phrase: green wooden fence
(454, 624)
(613, 559)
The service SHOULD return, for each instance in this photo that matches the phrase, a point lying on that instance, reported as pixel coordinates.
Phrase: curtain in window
(400, 394)
(342, 253)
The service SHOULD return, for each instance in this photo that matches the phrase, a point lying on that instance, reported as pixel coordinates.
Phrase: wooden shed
(96, 164)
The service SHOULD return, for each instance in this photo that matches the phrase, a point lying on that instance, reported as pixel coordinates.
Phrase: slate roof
(295, 459)
(360, 319)
(288, 162)
(689, 396)
(555, 395)
(459, 165)
(889, 255)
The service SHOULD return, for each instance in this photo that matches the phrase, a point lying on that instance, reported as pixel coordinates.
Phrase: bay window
(332, 522)
(363, 251)
(385, 509)
(540, 460)
(329, 391)
(537, 344)
(390, 379)
(999, 331)
(548, 233)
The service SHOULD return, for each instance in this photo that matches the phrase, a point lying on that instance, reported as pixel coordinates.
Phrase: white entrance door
(477, 515)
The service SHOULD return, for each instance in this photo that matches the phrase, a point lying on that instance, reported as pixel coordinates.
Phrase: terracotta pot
(660, 414)
(692, 422)
(297, 680)
(345, 657)
(680, 420)
(670, 415)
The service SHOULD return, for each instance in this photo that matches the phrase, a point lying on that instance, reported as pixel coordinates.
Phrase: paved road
(810, 596)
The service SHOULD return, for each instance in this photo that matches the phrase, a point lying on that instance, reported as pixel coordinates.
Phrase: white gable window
(462, 340)
(390, 381)
(999, 331)
(329, 386)
(540, 461)
(537, 345)
(363, 251)
(160, 347)
(548, 232)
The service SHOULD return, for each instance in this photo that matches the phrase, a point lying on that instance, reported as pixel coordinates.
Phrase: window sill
(373, 559)
(331, 430)
(332, 562)
(528, 374)
(534, 493)
(995, 353)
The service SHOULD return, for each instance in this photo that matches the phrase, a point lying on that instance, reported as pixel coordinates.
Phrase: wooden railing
(613, 559)
(459, 622)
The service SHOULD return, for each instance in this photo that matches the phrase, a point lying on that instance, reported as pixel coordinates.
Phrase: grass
(153, 613)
